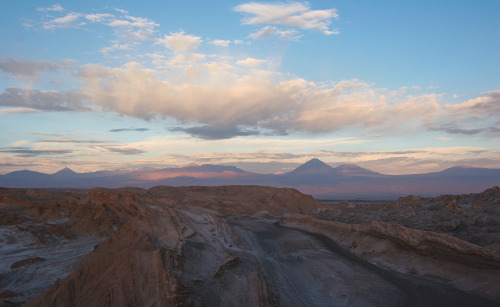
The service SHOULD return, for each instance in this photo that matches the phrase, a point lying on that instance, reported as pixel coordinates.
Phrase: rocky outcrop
(161, 246)
(425, 252)
(471, 217)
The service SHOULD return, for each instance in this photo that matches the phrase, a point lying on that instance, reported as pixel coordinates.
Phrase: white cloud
(116, 47)
(133, 28)
(126, 26)
(220, 42)
(54, 7)
(270, 31)
(99, 17)
(250, 62)
(294, 14)
(68, 21)
(180, 41)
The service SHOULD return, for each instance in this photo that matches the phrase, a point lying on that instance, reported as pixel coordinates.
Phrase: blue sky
(394, 86)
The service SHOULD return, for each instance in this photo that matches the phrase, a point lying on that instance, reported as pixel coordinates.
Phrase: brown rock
(25, 262)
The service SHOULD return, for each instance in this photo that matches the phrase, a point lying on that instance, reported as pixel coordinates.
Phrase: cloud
(116, 46)
(43, 100)
(294, 14)
(28, 152)
(67, 21)
(488, 104)
(220, 42)
(270, 31)
(54, 8)
(27, 68)
(134, 28)
(180, 41)
(126, 27)
(250, 62)
(99, 17)
(17, 110)
(228, 98)
(120, 149)
(58, 134)
(217, 132)
(470, 117)
(129, 130)
(453, 130)
(74, 141)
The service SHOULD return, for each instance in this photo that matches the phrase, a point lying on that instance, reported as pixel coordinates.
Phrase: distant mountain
(313, 166)
(66, 172)
(314, 177)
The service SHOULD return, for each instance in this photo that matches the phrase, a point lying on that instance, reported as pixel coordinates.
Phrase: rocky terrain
(470, 217)
(241, 245)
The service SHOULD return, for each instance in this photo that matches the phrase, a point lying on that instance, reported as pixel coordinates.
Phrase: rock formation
(223, 246)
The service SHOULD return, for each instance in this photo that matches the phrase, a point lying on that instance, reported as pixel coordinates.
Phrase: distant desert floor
(245, 245)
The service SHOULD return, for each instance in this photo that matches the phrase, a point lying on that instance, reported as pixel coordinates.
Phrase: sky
(398, 87)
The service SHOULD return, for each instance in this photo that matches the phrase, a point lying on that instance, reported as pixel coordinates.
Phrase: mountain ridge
(347, 181)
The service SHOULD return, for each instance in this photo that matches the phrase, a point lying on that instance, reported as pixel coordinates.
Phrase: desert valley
(245, 245)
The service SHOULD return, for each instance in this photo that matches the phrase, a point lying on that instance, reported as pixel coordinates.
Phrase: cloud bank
(230, 102)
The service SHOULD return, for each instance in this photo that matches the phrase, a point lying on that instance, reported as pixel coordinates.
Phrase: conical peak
(66, 170)
(313, 164)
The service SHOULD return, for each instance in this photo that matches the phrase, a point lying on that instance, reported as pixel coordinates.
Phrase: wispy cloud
(220, 42)
(17, 110)
(70, 20)
(120, 149)
(127, 27)
(31, 69)
(75, 141)
(293, 14)
(54, 8)
(134, 28)
(29, 152)
(57, 134)
(129, 130)
(43, 100)
(270, 31)
(116, 46)
(215, 132)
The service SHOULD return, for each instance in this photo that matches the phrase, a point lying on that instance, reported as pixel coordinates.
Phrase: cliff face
(208, 246)
(161, 246)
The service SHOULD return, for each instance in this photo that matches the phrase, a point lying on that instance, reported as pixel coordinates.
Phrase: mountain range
(314, 177)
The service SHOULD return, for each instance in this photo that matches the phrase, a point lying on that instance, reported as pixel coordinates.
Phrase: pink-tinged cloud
(247, 103)
(180, 41)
